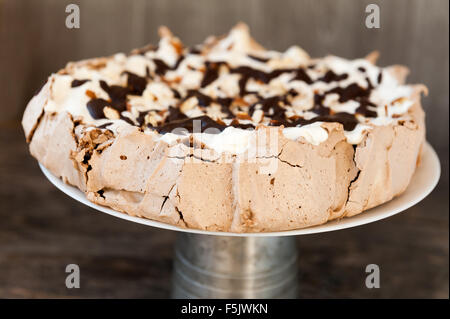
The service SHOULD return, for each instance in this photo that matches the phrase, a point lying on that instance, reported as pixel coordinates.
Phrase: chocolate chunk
(95, 108)
(302, 76)
(161, 67)
(117, 94)
(188, 124)
(175, 114)
(76, 83)
(136, 84)
(176, 94)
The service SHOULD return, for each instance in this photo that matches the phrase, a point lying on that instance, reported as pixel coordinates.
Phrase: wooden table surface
(42, 230)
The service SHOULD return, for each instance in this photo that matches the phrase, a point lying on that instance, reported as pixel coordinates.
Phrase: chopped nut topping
(243, 116)
(189, 104)
(111, 113)
(91, 94)
(258, 116)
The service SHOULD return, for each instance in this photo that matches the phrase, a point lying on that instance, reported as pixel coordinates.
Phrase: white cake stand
(210, 264)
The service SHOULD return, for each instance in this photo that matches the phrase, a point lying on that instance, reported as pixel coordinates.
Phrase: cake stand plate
(211, 264)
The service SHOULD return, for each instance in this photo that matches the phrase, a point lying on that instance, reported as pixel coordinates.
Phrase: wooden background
(42, 230)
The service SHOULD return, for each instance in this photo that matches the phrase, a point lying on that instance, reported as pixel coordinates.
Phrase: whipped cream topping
(232, 85)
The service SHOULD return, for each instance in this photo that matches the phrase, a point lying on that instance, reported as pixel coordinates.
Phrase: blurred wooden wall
(34, 40)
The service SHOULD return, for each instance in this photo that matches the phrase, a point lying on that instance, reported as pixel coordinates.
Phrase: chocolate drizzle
(200, 124)
(162, 67)
(346, 119)
(273, 107)
(105, 125)
(351, 92)
(187, 124)
(225, 104)
(318, 107)
(330, 76)
(259, 59)
(175, 114)
(126, 119)
(203, 100)
(258, 75)
(358, 94)
(302, 76)
(211, 74)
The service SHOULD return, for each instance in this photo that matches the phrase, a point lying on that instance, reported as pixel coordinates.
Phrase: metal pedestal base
(234, 267)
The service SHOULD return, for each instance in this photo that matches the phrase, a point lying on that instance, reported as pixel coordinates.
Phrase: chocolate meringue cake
(229, 136)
